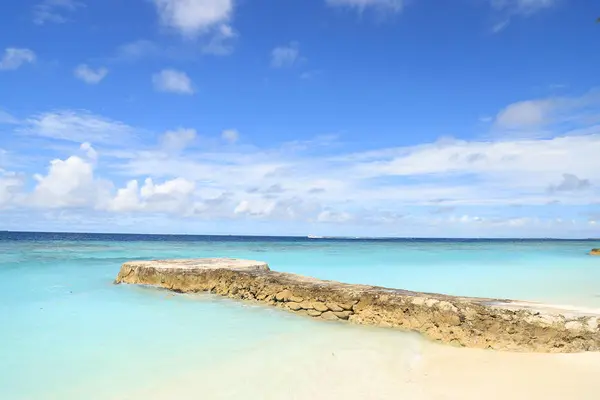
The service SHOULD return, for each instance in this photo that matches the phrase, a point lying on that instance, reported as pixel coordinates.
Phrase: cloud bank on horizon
(207, 119)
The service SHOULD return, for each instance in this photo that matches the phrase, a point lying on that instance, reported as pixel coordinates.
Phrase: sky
(410, 118)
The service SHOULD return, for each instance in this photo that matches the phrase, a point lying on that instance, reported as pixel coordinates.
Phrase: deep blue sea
(66, 332)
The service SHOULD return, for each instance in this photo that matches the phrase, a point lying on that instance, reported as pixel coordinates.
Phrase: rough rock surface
(463, 321)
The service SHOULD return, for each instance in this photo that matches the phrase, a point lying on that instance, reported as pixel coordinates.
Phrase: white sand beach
(349, 362)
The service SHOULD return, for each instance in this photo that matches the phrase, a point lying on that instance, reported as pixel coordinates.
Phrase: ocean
(67, 332)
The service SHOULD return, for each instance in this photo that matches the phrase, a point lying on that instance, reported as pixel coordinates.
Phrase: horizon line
(311, 237)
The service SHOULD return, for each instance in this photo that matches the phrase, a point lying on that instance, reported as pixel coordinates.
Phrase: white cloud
(77, 126)
(317, 182)
(531, 116)
(54, 11)
(285, 56)
(175, 187)
(177, 140)
(173, 196)
(194, 17)
(69, 183)
(173, 81)
(127, 198)
(256, 207)
(14, 58)
(230, 135)
(277, 209)
(525, 113)
(388, 5)
(514, 158)
(447, 173)
(90, 75)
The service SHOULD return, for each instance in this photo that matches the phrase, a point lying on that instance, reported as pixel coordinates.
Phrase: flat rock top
(236, 264)
(203, 264)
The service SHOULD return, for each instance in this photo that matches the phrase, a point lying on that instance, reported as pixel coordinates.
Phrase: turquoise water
(67, 332)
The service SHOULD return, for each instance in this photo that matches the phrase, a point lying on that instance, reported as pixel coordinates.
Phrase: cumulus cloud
(285, 56)
(175, 187)
(466, 184)
(194, 17)
(127, 199)
(69, 183)
(90, 75)
(495, 172)
(172, 196)
(54, 11)
(173, 81)
(13, 58)
(465, 173)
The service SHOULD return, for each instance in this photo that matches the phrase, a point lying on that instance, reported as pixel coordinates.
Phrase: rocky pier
(462, 321)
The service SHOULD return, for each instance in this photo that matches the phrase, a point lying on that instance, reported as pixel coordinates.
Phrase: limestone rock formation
(462, 321)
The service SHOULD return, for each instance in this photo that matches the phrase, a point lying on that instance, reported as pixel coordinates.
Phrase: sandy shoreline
(333, 360)
(371, 363)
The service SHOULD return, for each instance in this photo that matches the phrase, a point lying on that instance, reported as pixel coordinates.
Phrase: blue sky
(476, 118)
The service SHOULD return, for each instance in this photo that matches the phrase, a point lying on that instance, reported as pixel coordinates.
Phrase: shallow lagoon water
(68, 332)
